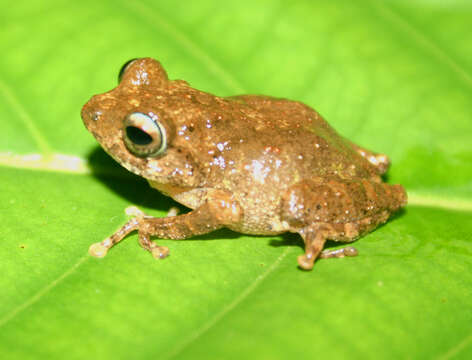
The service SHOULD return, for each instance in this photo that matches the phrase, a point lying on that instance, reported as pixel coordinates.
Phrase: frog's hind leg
(339, 253)
(380, 161)
(314, 238)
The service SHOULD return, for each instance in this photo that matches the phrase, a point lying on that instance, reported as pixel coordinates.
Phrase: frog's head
(134, 124)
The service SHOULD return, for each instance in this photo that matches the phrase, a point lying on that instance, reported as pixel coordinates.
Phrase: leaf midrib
(200, 331)
(38, 295)
(75, 165)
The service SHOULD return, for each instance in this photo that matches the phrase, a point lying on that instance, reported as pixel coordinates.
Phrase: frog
(254, 164)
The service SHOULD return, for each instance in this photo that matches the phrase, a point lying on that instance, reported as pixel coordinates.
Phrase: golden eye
(124, 67)
(143, 135)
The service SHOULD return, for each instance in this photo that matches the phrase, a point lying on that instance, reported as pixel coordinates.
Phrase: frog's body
(254, 164)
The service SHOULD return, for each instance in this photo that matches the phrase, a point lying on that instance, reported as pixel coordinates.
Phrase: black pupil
(138, 136)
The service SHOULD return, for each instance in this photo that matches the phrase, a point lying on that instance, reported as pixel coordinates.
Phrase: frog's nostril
(138, 136)
(96, 115)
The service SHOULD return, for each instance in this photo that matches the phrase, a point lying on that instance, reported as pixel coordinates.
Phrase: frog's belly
(260, 213)
(260, 225)
(260, 218)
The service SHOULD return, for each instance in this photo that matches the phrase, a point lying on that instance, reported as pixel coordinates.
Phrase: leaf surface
(394, 76)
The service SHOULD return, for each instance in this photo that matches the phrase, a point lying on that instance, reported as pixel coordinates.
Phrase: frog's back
(282, 112)
(312, 144)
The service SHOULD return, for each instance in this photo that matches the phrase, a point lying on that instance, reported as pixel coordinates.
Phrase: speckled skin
(254, 164)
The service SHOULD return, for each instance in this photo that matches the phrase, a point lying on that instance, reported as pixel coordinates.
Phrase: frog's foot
(158, 252)
(100, 249)
(380, 161)
(135, 212)
(339, 253)
(212, 215)
(315, 238)
(306, 261)
(173, 211)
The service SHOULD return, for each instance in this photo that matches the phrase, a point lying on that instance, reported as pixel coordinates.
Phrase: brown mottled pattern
(255, 164)
(340, 202)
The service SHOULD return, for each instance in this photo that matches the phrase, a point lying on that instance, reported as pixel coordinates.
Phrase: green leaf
(394, 76)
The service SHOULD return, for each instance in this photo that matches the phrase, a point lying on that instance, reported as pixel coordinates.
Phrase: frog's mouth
(173, 168)
(120, 154)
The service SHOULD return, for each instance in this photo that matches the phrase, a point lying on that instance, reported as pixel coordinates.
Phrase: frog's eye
(143, 135)
(123, 69)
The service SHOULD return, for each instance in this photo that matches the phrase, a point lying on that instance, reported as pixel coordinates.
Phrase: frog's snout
(89, 113)
(96, 107)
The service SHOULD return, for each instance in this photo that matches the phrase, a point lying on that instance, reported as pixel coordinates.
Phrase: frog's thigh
(319, 201)
(307, 205)
(380, 161)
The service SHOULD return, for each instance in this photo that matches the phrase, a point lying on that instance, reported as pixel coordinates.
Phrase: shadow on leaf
(137, 191)
(129, 186)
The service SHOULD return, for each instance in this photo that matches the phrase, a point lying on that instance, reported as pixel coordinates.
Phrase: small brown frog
(254, 164)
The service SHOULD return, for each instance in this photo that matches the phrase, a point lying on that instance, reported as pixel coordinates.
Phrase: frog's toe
(306, 261)
(98, 250)
(173, 211)
(339, 253)
(160, 252)
(134, 211)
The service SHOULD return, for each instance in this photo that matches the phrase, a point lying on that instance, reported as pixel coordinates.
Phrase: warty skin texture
(254, 164)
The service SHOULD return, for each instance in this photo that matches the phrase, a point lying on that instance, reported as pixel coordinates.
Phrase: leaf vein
(53, 162)
(457, 348)
(36, 297)
(228, 308)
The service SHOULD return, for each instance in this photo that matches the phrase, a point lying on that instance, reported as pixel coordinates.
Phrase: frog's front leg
(215, 213)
